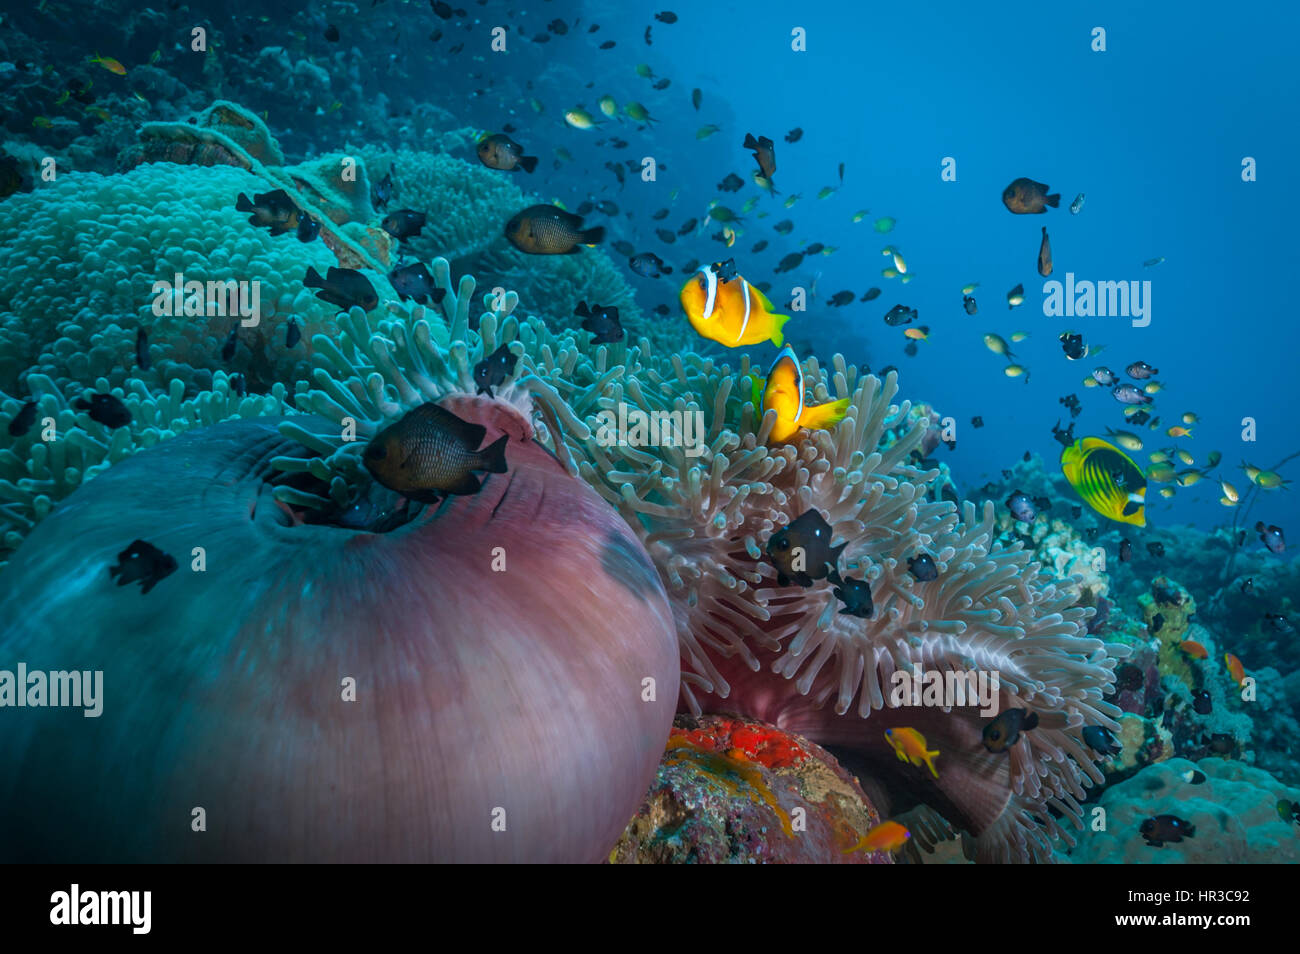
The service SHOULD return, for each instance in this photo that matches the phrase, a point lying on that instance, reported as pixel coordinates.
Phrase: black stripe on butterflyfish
(1091, 464)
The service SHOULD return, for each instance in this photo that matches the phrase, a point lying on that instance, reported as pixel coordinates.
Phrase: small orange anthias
(887, 836)
(909, 745)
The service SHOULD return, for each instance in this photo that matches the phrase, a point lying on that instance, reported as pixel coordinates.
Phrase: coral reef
(468, 205)
(1068, 546)
(1276, 727)
(781, 654)
(83, 255)
(297, 79)
(1167, 611)
(701, 518)
(1079, 637)
(1224, 613)
(35, 474)
(1142, 742)
(1234, 812)
(1226, 729)
(736, 791)
(283, 81)
(1058, 545)
(334, 189)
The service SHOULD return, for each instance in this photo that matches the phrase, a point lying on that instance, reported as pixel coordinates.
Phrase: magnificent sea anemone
(785, 655)
(511, 655)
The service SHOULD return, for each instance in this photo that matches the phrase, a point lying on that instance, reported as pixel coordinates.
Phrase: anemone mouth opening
(370, 507)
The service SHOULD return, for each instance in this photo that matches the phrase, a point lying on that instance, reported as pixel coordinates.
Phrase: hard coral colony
(402, 561)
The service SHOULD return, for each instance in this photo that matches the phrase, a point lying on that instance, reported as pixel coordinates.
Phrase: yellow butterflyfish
(1107, 480)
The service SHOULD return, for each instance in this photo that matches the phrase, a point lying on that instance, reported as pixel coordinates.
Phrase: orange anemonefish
(887, 836)
(783, 393)
(730, 311)
(1235, 669)
(909, 746)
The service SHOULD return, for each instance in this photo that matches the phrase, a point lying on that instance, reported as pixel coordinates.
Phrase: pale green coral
(239, 129)
(468, 206)
(553, 287)
(1233, 811)
(1228, 714)
(336, 184)
(1057, 544)
(81, 256)
(333, 190)
(65, 447)
(1168, 611)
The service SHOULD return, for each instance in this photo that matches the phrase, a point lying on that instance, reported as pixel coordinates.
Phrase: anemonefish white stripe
(744, 287)
(788, 352)
(711, 284)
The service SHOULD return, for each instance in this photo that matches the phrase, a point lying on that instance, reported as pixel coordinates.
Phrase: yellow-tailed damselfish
(783, 392)
(725, 308)
(1107, 480)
